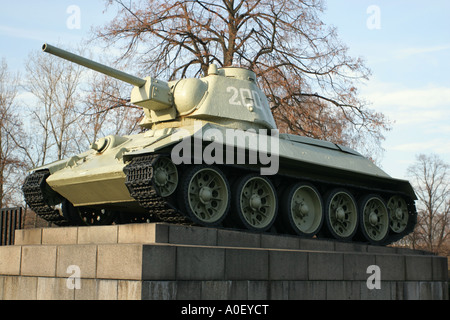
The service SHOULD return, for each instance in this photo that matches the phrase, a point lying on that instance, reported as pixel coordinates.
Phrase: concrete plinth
(161, 261)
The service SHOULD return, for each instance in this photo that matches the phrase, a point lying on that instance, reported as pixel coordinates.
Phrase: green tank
(211, 155)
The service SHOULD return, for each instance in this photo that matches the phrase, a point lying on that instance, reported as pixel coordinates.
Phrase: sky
(406, 44)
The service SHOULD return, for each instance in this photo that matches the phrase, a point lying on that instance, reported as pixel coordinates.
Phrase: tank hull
(96, 179)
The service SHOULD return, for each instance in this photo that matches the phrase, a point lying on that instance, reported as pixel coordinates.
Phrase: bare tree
(11, 164)
(430, 177)
(54, 84)
(105, 111)
(301, 64)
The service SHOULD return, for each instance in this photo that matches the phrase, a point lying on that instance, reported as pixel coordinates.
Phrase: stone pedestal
(161, 261)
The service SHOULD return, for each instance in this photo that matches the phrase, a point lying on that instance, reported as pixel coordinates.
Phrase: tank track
(139, 181)
(36, 193)
(140, 184)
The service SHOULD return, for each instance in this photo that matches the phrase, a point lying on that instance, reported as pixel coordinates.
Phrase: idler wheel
(165, 176)
(398, 210)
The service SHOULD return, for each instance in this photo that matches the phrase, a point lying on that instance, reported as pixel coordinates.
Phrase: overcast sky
(406, 44)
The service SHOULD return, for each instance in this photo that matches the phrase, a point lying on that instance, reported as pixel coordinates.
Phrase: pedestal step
(153, 233)
(160, 261)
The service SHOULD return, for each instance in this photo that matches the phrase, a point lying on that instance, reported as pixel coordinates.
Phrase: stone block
(2, 279)
(189, 290)
(279, 242)
(279, 290)
(356, 264)
(83, 257)
(38, 261)
(10, 260)
(437, 290)
(129, 290)
(376, 294)
(68, 235)
(96, 235)
(143, 233)
(325, 266)
(53, 289)
(159, 290)
(392, 267)
(27, 236)
(288, 265)
(446, 290)
(14, 288)
(440, 268)
(192, 235)
(343, 290)
(230, 238)
(411, 290)
(418, 268)
(316, 245)
(243, 264)
(215, 290)
(120, 261)
(397, 290)
(408, 251)
(200, 263)
(350, 247)
(258, 290)
(425, 291)
(159, 262)
(239, 290)
(107, 289)
(307, 290)
(88, 290)
(20, 288)
(381, 250)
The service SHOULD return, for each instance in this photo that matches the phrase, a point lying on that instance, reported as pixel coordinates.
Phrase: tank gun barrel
(136, 81)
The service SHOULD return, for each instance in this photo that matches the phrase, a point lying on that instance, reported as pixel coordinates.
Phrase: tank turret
(228, 96)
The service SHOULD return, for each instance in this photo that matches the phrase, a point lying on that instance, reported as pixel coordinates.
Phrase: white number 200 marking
(247, 98)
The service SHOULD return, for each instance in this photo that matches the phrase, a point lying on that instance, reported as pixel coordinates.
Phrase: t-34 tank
(211, 156)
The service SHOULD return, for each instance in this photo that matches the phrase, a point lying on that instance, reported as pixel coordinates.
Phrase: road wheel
(341, 214)
(205, 195)
(255, 203)
(373, 219)
(301, 209)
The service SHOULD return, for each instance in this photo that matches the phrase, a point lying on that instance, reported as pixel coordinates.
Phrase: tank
(210, 155)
